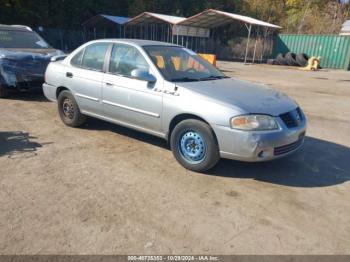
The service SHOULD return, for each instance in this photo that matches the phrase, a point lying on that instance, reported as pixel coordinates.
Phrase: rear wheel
(194, 145)
(69, 110)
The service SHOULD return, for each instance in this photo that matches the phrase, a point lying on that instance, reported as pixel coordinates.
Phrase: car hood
(25, 54)
(249, 97)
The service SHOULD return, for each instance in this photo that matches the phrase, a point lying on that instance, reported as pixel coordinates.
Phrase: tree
(295, 16)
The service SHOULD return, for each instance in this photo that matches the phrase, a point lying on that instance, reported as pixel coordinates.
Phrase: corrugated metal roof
(117, 19)
(100, 19)
(151, 18)
(214, 18)
(208, 19)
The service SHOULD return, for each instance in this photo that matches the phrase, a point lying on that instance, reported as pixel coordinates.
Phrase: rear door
(85, 75)
(128, 100)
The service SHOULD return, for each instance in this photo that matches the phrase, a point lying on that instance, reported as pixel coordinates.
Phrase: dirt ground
(104, 189)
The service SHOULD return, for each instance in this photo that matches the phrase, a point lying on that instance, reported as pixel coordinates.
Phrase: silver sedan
(169, 91)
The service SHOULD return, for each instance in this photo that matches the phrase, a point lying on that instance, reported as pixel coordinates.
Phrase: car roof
(138, 42)
(16, 28)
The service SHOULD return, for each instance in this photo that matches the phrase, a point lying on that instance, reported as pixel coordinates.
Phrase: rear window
(94, 56)
(76, 60)
(21, 39)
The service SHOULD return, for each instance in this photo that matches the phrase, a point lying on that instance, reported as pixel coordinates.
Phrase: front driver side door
(131, 101)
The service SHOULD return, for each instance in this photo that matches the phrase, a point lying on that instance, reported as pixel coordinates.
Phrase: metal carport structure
(153, 26)
(212, 18)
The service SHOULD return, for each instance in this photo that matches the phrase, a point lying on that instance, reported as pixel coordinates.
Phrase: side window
(125, 58)
(94, 56)
(76, 60)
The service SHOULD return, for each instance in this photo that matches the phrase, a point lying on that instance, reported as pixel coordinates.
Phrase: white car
(168, 91)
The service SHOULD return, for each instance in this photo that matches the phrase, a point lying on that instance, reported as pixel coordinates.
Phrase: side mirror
(144, 75)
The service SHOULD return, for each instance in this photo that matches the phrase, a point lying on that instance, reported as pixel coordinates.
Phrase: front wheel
(69, 110)
(194, 145)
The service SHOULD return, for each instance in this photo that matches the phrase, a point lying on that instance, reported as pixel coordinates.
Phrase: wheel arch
(60, 89)
(184, 116)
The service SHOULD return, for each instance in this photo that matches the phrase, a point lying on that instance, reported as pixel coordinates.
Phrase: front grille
(29, 84)
(293, 118)
(287, 148)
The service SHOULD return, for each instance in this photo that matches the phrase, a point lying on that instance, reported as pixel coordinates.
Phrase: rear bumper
(257, 146)
(49, 92)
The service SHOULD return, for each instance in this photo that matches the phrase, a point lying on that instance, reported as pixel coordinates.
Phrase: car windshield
(21, 39)
(178, 64)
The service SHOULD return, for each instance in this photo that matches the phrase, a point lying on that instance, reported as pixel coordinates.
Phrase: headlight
(254, 122)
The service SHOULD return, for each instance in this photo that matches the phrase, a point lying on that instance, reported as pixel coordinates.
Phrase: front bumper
(30, 83)
(22, 75)
(256, 146)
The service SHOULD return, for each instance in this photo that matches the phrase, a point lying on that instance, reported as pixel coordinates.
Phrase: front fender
(184, 104)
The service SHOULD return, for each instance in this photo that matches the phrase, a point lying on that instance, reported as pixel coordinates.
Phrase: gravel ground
(104, 189)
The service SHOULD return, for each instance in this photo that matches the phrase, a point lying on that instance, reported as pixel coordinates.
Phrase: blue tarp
(101, 19)
(117, 19)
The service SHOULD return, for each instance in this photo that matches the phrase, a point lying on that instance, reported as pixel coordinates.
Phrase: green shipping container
(334, 50)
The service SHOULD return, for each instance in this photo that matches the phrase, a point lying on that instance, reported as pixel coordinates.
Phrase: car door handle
(108, 83)
(69, 74)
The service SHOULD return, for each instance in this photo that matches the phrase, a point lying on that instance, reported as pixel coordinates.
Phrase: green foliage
(57, 13)
(295, 16)
(300, 16)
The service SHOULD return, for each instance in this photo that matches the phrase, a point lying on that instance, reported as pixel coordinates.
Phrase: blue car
(24, 56)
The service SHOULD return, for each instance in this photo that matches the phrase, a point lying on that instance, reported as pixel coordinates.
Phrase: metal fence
(234, 49)
(334, 50)
(65, 40)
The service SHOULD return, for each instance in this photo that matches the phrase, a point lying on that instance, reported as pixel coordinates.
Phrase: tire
(302, 59)
(291, 59)
(280, 60)
(69, 111)
(271, 61)
(193, 134)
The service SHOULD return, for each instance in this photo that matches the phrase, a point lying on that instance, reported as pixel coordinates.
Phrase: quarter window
(94, 56)
(76, 60)
(125, 58)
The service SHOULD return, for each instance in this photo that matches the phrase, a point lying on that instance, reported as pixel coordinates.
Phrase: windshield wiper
(212, 77)
(184, 79)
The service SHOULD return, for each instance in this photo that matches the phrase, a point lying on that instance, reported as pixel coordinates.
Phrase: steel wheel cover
(192, 147)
